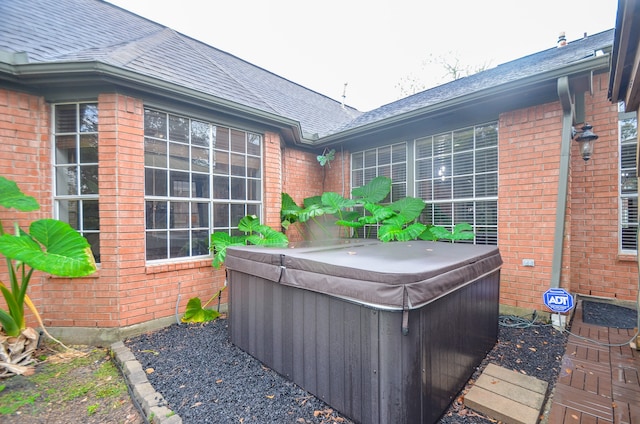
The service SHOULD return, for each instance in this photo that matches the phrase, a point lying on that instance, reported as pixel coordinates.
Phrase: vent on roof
(562, 40)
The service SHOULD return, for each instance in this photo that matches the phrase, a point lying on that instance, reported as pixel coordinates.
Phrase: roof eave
(584, 66)
(43, 74)
(624, 80)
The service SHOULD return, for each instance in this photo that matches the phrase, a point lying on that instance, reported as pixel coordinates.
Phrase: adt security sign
(558, 300)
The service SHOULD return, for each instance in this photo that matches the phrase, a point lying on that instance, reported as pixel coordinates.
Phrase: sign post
(559, 301)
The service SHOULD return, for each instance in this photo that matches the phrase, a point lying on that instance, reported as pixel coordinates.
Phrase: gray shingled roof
(67, 31)
(519, 69)
(77, 31)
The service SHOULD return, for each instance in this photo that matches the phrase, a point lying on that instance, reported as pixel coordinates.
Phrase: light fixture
(585, 139)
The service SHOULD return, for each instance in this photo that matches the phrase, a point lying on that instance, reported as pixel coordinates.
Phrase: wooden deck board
(602, 382)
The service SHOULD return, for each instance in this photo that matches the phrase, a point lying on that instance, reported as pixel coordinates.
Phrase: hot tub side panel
(422, 372)
(325, 345)
(355, 358)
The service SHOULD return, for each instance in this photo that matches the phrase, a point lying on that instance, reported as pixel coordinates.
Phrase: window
(199, 178)
(388, 161)
(455, 172)
(75, 135)
(628, 133)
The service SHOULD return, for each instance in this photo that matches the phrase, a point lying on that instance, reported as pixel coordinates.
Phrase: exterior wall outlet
(528, 262)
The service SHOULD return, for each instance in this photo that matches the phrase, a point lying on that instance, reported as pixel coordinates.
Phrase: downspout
(563, 179)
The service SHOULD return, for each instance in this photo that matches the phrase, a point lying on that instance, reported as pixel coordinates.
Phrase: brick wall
(529, 149)
(25, 159)
(596, 266)
(528, 183)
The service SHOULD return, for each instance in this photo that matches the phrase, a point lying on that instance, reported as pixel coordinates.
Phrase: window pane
(370, 158)
(178, 129)
(237, 213)
(222, 138)
(220, 162)
(399, 153)
(487, 185)
(155, 182)
(221, 215)
(442, 214)
(179, 156)
(89, 148)
(238, 141)
(442, 144)
(68, 212)
(357, 160)
(155, 124)
(66, 180)
(254, 189)
(384, 155)
(629, 129)
(253, 209)
(423, 190)
(66, 118)
(238, 189)
(89, 179)
(199, 215)
(66, 149)
(88, 117)
(220, 187)
(90, 215)
(157, 245)
(253, 144)
(180, 216)
(238, 165)
(463, 163)
(201, 186)
(487, 213)
(463, 187)
(357, 178)
(424, 148)
(486, 135)
(200, 133)
(156, 215)
(94, 242)
(199, 159)
(179, 183)
(399, 173)
(200, 243)
(463, 140)
(486, 160)
(155, 152)
(253, 167)
(464, 212)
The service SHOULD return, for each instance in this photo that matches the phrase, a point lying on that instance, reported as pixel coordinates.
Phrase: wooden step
(507, 396)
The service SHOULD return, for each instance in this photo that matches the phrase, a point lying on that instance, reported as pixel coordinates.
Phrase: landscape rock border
(151, 403)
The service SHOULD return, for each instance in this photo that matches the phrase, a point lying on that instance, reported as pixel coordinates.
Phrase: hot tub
(383, 332)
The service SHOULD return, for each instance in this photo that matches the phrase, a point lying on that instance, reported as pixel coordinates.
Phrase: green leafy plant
(50, 245)
(365, 210)
(253, 233)
(326, 157)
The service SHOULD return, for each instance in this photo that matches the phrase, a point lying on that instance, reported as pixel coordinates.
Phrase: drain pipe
(563, 179)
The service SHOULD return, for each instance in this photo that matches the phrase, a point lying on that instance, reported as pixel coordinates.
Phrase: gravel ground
(206, 379)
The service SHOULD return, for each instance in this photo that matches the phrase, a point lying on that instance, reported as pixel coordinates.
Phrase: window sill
(627, 257)
(177, 266)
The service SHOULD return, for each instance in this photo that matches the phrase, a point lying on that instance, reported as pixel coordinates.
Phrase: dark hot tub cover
(393, 276)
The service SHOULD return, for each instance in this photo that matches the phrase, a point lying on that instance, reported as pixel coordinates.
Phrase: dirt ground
(82, 386)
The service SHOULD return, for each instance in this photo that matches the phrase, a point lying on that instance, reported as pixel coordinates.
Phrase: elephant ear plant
(51, 246)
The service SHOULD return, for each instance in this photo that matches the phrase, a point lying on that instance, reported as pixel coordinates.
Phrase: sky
(376, 47)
